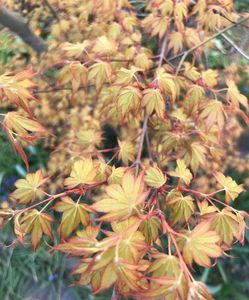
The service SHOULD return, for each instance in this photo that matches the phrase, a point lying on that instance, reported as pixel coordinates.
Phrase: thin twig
(146, 118)
(184, 54)
(52, 10)
(235, 46)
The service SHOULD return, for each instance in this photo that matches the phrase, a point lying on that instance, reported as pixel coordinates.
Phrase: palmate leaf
(166, 83)
(126, 151)
(73, 214)
(198, 291)
(122, 199)
(182, 207)
(213, 113)
(154, 177)
(231, 188)
(28, 188)
(83, 172)
(195, 155)
(182, 172)
(228, 225)
(132, 245)
(75, 50)
(163, 268)
(150, 229)
(79, 246)
(16, 88)
(126, 76)
(19, 126)
(38, 224)
(128, 100)
(175, 42)
(153, 101)
(99, 73)
(209, 77)
(234, 96)
(200, 245)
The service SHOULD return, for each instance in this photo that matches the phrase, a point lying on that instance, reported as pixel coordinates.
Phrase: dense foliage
(135, 123)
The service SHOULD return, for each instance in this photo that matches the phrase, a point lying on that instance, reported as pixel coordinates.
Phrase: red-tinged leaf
(27, 189)
(200, 245)
(83, 172)
(37, 224)
(231, 188)
(16, 88)
(122, 199)
(73, 214)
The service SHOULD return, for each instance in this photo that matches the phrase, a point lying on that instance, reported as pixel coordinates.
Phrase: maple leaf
(153, 101)
(104, 46)
(167, 277)
(182, 207)
(166, 83)
(234, 96)
(83, 172)
(116, 175)
(154, 177)
(79, 246)
(129, 274)
(209, 77)
(195, 155)
(205, 208)
(198, 291)
(126, 151)
(142, 60)
(89, 137)
(182, 172)
(150, 228)
(180, 11)
(231, 188)
(75, 50)
(38, 224)
(200, 245)
(128, 100)
(74, 73)
(99, 73)
(126, 76)
(16, 88)
(213, 113)
(175, 42)
(74, 213)
(27, 189)
(226, 224)
(122, 199)
(22, 127)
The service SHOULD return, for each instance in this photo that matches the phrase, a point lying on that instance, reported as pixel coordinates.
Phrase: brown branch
(17, 24)
(146, 118)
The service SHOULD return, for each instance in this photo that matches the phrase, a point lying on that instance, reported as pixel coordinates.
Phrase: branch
(17, 24)
(187, 52)
(236, 47)
(146, 118)
(52, 10)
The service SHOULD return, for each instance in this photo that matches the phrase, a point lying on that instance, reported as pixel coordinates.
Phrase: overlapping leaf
(182, 172)
(83, 172)
(231, 188)
(27, 189)
(200, 245)
(74, 213)
(122, 199)
(38, 224)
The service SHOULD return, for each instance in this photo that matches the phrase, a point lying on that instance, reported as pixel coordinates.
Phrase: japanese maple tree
(133, 213)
